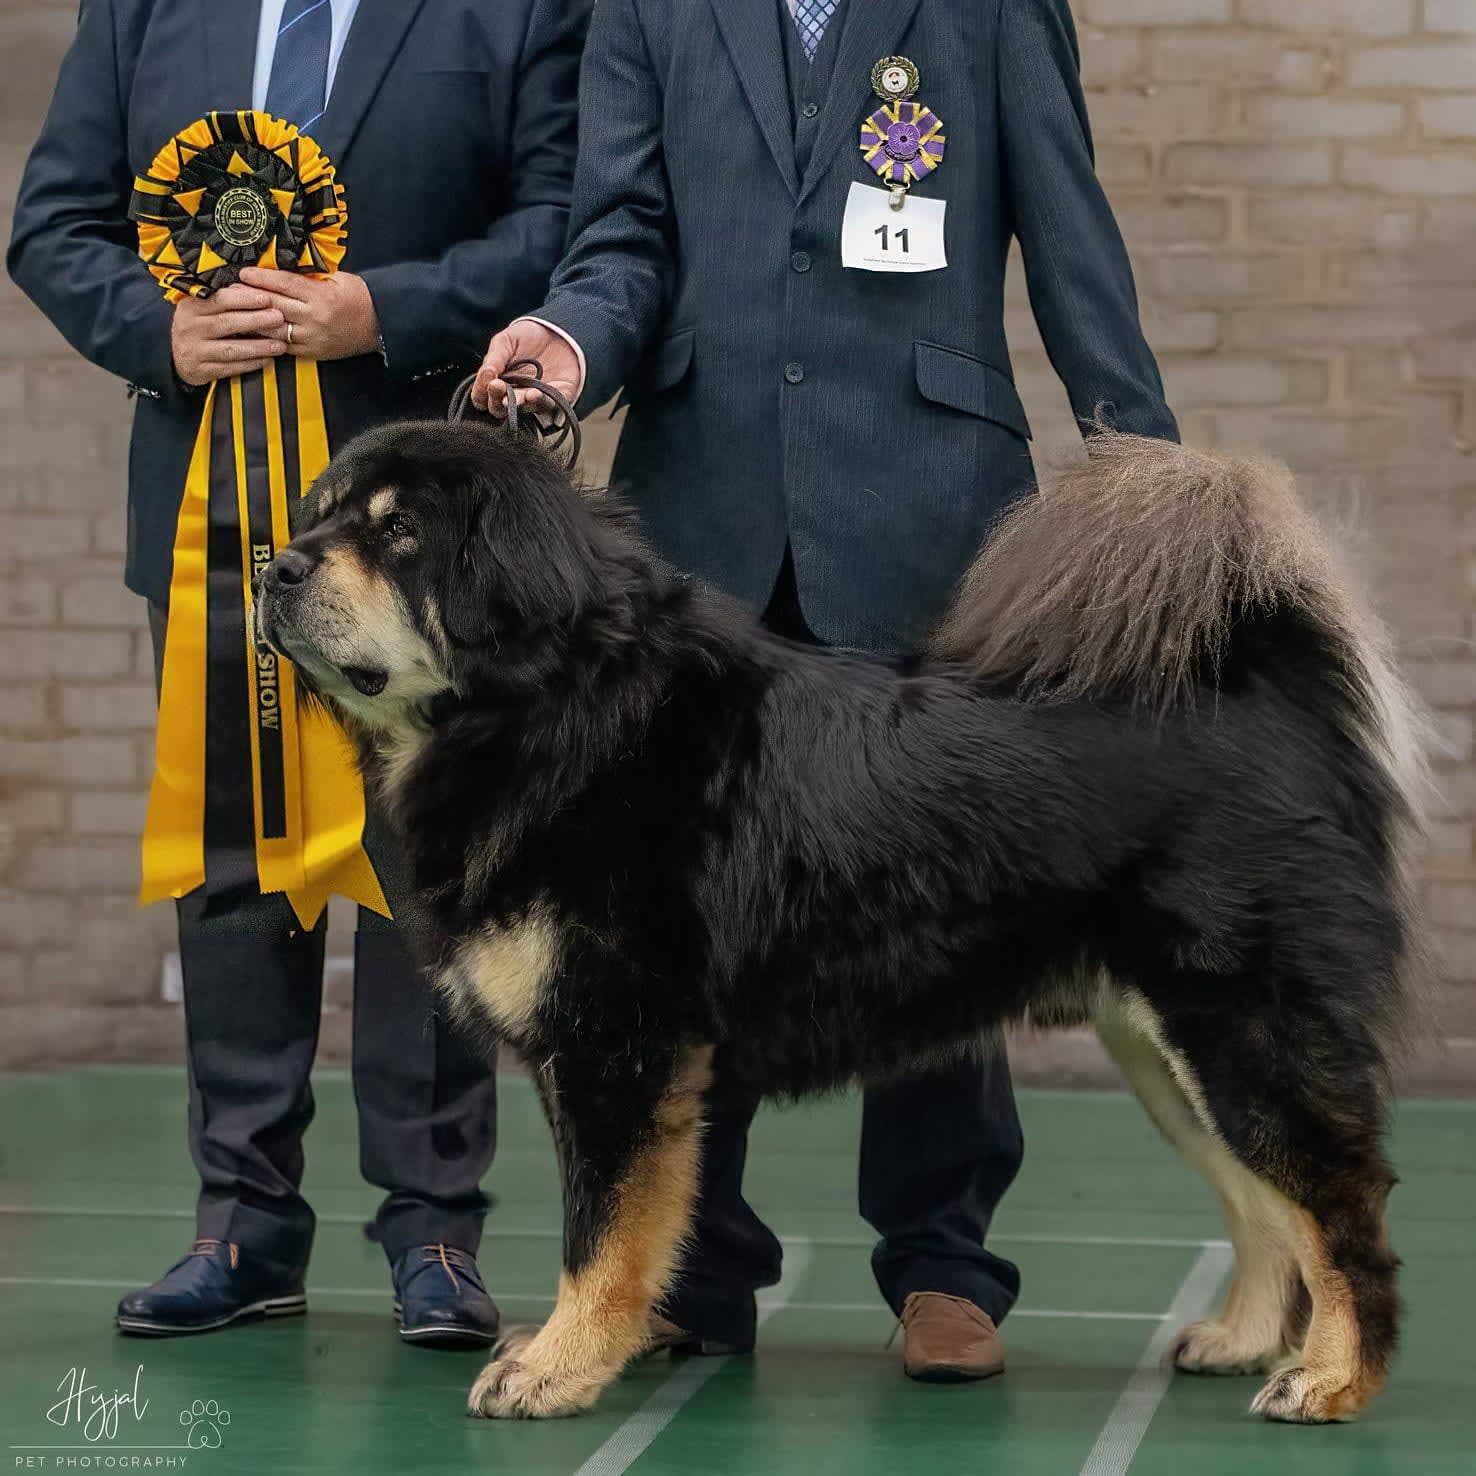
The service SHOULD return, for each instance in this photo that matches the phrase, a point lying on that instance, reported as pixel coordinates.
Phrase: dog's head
(431, 558)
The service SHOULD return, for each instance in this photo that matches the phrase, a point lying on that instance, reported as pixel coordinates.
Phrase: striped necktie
(298, 87)
(810, 19)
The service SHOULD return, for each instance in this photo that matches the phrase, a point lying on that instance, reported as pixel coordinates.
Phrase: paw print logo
(203, 1421)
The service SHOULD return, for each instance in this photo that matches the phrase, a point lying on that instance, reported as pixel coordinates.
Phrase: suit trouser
(253, 988)
(938, 1151)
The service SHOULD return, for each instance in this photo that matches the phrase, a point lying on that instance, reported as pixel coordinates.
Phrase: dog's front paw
(514, 1385)
(1298, 1396)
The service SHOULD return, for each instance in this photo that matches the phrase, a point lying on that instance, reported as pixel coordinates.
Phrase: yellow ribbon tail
(174, 831)
(334, 859)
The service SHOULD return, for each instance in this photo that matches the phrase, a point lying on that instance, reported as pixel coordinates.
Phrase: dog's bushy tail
(1135, 574)
(1164, 577)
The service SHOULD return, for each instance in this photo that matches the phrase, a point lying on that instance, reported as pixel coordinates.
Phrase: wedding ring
(289, 334)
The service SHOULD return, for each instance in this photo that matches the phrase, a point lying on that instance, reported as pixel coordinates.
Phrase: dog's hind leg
(629, 1143)
(1326, 1154)
(1259, 1322)
(1295, 1094)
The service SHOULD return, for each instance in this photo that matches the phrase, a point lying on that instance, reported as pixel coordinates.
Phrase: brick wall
(1297, 182)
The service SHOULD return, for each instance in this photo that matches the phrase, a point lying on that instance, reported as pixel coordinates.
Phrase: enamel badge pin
(902, 140)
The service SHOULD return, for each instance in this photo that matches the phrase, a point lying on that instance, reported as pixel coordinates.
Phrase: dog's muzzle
(275, 592)
(260, 624)
(275, 585)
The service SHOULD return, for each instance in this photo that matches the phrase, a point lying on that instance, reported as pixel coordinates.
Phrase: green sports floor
(1116, 1241)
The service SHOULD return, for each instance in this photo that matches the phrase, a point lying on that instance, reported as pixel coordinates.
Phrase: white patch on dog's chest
(505, 970)
(396, 753)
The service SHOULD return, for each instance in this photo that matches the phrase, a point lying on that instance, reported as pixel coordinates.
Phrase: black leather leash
(560, 434)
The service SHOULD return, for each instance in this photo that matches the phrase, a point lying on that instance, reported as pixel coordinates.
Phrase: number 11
(882, 231)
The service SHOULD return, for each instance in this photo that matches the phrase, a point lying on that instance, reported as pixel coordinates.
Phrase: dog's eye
(402, 525)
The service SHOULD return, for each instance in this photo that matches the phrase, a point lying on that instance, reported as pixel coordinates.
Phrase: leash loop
(560, 434)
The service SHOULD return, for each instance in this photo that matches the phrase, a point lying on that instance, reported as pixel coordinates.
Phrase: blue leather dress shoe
(441, 1299)
(214, 1286)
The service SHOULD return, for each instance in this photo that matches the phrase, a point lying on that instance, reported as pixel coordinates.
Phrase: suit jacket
(871, 419)
(451, 125)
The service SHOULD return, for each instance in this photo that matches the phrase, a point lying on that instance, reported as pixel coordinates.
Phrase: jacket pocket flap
(960, 381)
(662, 368)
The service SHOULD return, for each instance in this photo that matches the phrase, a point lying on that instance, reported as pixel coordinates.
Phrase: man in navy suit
(451, 127)
(832, 441)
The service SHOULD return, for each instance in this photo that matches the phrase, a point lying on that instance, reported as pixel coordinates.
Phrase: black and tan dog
(1155, 772)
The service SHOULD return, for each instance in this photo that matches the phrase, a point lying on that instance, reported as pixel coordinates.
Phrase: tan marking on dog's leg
(1249, 1334)
(600, 1321)
(1331, 1381)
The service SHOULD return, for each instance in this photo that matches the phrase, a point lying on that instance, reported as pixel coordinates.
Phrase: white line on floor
(1118, 1441)
(507, 1076)
(628, 1442)
(769, 1302)
(1167, 1242)
(1061, 1312)
(539, 1232)
(66, 1281)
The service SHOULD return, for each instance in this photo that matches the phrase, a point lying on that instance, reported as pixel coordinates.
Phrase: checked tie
(810, 19)
(299, 81)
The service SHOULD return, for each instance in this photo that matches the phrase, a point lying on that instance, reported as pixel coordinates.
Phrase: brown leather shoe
(947, 1340)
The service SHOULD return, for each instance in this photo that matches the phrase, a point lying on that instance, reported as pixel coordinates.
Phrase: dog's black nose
(291, 566)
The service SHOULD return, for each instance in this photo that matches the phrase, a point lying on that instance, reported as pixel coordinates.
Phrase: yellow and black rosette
(251, 788)
(237, 190)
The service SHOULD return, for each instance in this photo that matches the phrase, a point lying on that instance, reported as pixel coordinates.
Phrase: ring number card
(875, 237)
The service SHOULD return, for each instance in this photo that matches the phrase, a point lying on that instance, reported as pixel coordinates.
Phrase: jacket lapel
(230, 53)
(378, 29)
(750, 30)
(871, 29)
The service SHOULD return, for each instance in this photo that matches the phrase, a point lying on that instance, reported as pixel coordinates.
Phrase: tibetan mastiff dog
(1154, 771)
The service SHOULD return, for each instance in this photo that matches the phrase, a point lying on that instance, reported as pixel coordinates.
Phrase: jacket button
(794, 373)
(800, 261)
(810, 109)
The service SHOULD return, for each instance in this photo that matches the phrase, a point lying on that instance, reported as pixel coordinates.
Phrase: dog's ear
(471, 581)
(326, 491)
(524, 569)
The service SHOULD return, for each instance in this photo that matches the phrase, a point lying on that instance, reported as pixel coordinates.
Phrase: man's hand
(331, 317)
(526, 339)
(232, 331)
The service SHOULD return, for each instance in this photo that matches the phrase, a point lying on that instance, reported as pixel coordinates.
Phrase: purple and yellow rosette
(903, 142)
(251, 787)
